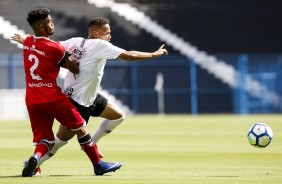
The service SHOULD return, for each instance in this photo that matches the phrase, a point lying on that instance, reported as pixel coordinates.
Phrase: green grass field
(174, 149)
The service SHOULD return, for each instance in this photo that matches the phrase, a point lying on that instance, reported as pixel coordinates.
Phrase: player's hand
(161, 51)
(18, 38)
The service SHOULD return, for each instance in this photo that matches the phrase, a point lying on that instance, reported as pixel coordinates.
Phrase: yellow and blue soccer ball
(260, 135)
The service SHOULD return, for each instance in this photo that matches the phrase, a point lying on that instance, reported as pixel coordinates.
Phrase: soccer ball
(260, 135)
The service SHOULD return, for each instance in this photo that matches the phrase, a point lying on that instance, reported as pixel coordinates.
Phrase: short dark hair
(98, 21)
(37, 14)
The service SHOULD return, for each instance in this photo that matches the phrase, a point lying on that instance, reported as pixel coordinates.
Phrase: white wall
(12, 104)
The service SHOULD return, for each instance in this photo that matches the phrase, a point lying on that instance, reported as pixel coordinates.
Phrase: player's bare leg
(88, 146)
(61, 139)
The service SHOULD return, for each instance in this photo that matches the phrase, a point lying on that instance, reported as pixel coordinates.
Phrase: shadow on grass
(57, 175)
(20, 176)
(16, 176)
(222, 176)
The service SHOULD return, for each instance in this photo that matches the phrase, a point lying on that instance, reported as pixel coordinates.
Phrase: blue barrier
(187, 87)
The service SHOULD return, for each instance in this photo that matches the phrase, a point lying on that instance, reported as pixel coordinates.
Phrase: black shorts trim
(94, 110)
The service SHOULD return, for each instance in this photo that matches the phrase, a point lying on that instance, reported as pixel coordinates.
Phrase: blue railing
(187, 87)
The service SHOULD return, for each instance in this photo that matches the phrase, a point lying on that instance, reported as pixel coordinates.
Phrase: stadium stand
(220, 26)
(71, 20)
(213, 26)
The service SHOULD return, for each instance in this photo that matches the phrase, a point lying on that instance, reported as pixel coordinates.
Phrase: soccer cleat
(37, 171)
(30, 166)
(105, 167)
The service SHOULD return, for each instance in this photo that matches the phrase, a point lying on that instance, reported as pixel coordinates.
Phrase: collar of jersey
(39, 37)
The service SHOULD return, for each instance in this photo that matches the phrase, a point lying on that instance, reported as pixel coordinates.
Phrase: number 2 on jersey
(32, 58)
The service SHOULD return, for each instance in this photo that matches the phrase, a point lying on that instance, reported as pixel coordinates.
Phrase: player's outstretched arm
(18, 38)
(136, 55)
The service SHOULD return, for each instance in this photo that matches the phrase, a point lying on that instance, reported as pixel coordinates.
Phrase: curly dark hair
(37, 14)
(98, 21)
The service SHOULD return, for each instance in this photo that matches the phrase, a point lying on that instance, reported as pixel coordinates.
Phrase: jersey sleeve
(69, 43)
(108, 51)
(66, 43)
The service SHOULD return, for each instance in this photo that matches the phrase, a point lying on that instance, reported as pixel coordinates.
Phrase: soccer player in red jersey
(45, 100)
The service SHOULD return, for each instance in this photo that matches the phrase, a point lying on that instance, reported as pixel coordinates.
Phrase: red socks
(89, 148)
(41, 149)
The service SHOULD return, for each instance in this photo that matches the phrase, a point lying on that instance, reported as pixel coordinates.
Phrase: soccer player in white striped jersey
(82, 89)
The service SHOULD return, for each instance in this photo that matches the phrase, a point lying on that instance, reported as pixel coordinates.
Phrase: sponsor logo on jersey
(68, 91)
(39, 85)
(77, 54)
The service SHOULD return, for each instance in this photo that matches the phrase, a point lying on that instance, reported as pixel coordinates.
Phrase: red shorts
(42, 118)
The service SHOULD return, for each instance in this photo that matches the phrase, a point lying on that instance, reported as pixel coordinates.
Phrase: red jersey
(41, 59)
